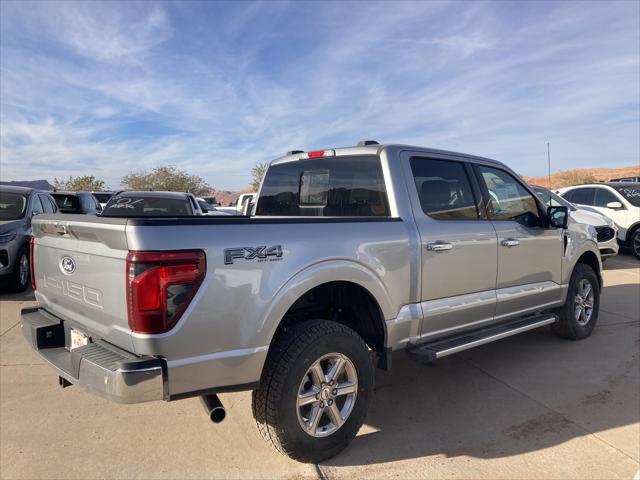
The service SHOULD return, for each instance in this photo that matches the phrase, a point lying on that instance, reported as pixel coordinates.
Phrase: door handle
(510, 242)
(439, 246)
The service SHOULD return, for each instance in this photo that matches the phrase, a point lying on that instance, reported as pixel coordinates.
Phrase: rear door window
(444, 189)
(46, 204)
(36, 206)
(583, 196)
(350, 186)
(604, 196)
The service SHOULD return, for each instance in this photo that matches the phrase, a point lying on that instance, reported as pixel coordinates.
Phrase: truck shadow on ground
(5, 295)
(518, 395)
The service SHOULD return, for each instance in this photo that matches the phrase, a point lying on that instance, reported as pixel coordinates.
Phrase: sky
(107, 88)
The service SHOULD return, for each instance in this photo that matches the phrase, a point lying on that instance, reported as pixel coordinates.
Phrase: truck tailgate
(79, 269)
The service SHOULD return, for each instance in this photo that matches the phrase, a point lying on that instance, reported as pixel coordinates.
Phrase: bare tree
(75, 184)
(167, 178)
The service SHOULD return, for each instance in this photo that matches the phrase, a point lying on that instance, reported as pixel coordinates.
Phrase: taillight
(160, 286)
(32, 262)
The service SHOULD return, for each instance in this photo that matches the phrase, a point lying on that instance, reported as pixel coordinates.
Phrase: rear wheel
(19, 279)
(579, 315)
(315, 390)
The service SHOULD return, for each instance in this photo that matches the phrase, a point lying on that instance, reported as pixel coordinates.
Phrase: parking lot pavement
(531, 406)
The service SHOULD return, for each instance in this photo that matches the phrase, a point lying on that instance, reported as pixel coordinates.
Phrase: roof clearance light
(321, 153)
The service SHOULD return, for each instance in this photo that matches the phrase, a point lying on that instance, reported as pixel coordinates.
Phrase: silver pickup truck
(351, 254)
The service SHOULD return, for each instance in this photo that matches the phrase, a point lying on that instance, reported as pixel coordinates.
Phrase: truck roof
(375, 149)
(16, 189)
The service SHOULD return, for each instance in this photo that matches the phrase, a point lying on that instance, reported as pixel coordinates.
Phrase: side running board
(429, 352)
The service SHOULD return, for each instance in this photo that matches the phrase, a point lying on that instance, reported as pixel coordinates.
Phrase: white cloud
(105, 88)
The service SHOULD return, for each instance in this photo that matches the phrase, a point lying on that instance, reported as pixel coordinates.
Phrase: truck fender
(316, 275)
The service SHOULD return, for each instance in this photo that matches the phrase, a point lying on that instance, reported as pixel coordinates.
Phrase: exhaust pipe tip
(214, 408)
(217, 415)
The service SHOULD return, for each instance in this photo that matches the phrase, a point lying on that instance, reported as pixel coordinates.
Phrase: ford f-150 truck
(352, 254)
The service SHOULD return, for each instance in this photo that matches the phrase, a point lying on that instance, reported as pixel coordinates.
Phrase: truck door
(458, 247)
(529, 265)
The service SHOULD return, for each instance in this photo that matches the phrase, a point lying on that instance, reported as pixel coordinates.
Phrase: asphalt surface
(530, 406)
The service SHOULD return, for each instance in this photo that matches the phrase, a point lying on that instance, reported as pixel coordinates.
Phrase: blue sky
(106, 88)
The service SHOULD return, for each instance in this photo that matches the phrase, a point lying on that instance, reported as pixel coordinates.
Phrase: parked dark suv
(77, 202)
(18, 205)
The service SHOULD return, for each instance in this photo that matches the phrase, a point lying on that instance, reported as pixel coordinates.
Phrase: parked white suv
(619, 201)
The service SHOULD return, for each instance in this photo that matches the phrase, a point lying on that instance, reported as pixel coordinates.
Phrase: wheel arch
(591, 259)
(358, 287)
(631, 230)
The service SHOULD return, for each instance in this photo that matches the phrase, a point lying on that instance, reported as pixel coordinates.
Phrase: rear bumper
(97, 367)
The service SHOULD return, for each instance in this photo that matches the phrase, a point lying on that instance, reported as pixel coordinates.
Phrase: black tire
(18, 282)
(568, 326)
(290, 357)
(634, 243)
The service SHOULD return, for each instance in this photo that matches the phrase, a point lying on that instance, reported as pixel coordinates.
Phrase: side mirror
(204, 209)
(558, 216)
(614, 205)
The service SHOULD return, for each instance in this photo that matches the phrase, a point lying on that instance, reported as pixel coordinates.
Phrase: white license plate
(78, 339)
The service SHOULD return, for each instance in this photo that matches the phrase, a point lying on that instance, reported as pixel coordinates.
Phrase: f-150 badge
(261, 254)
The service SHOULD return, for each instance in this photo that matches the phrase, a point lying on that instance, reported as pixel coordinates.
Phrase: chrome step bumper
(97, 367)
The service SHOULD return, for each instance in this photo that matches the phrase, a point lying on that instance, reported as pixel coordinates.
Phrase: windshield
(12, 205)
(631, 193)
(551, 199)
(151, 206)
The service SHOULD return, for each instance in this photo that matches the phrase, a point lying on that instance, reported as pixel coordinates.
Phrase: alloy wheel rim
(636, 243)
(327, 395)
(24, 270)
(583, 302)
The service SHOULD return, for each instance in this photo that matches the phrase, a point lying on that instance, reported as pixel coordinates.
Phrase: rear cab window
(343, 186)
(147, 206)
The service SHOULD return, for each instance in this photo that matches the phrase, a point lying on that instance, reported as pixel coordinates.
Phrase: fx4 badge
(262, 254)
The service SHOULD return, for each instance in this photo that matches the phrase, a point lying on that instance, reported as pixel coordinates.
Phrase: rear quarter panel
(238, 304)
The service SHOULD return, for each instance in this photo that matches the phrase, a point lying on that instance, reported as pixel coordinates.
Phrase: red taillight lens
(321, 153)
(160, 286)
(32, 262)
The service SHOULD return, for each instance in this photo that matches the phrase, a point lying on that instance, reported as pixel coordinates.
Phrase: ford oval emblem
(68, 265)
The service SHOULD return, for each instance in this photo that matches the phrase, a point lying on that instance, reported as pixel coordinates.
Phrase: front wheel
(315, 390)
(579, 314)
(635, 243)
